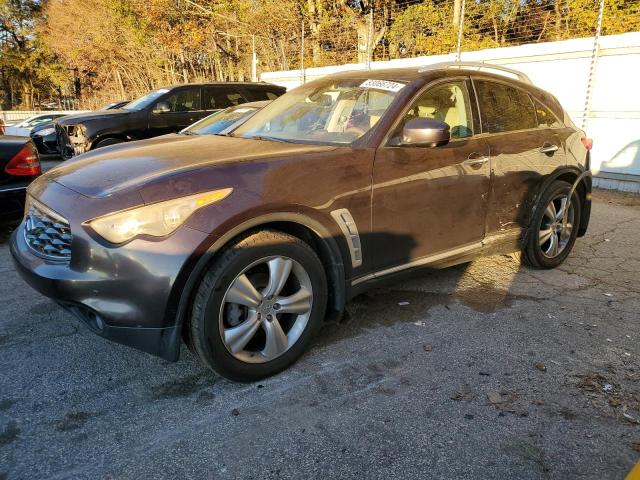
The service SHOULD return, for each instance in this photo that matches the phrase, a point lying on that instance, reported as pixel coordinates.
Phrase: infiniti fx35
(241, 245)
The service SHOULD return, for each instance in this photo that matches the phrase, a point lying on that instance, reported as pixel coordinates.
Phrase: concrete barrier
(15, 116)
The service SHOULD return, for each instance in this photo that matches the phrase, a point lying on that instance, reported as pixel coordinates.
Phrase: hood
(85, 117)
(127, 166)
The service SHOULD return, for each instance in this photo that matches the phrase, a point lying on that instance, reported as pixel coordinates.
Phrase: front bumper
(46, 145)
(71, 140)
(128, 294)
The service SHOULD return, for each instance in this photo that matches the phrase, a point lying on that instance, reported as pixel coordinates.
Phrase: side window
(185, 100)
(448, 103)
(262, 94)
(216, 98)
(504, 108)
(546, 119)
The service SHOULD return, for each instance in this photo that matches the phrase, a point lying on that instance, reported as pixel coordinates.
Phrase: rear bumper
(12, 198)
(585, 213)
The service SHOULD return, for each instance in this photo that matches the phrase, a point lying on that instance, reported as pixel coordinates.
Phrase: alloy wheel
(556, 226)
(266, 309)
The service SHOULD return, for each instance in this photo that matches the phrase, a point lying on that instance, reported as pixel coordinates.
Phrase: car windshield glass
(323, 112)
(145, 100)
(219, 121)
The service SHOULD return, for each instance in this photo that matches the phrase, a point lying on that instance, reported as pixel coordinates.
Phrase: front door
(428, 200)
(185, 108)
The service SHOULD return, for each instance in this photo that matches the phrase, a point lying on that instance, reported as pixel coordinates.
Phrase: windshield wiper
(270, 139)
(189, 132)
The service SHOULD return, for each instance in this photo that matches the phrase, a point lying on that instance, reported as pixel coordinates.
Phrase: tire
(107, 141)
(543, 255)
(222, 304)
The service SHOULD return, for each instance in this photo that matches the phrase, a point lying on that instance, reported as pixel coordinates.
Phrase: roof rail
(479, 66)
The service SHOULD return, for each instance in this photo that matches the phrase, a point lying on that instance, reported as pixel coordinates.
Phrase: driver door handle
(476, 160)
(548, 148)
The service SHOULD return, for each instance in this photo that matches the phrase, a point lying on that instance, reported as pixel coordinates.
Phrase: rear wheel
(259, 306)
(554, 227)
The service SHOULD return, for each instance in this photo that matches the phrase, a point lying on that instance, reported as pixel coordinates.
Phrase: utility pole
(302, 73)
(254, 60)
(592, 68)
(370, 45)
(460, 27)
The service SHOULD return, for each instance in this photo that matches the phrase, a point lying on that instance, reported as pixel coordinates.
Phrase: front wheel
(554, 227)
(258, 306)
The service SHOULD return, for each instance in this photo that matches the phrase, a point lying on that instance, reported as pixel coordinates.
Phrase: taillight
(25, 163)
(587, 142)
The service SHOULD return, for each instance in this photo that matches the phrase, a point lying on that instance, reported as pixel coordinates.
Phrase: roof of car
(222, 84)
(409, 74)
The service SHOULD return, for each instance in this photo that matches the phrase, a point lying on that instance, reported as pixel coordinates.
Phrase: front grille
(47, 233)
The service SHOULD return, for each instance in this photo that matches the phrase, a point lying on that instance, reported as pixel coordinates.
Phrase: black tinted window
(216, 98)
(185, 100)
(504, 108)
(262, 94)
(546, 119)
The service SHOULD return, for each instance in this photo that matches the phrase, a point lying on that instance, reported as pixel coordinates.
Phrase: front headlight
(45, 132)
(156, 220)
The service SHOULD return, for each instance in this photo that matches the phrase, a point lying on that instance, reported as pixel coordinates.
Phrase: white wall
(562, 69)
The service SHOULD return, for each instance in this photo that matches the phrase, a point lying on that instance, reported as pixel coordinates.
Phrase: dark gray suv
(242, 244)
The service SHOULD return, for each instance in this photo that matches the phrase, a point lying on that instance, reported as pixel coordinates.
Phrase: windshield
(145, 100)
(221, 120)
(336, 111)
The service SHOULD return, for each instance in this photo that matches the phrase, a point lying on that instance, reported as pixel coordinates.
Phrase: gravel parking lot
(487, 370)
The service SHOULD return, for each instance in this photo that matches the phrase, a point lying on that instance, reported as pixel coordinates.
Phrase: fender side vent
(348, 226)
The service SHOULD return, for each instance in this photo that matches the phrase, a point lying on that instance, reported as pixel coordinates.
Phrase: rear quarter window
(546, 119)
(264, 94)
(504, 108)
(219, 97)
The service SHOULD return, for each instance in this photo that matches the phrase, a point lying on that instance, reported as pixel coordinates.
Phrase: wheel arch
(570, 175)
(302, 226)
(107, 136)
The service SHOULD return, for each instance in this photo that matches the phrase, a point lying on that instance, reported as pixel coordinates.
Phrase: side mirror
(162, 107)
(425, 132)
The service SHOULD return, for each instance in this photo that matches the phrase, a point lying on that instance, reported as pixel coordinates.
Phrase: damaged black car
(161, 111)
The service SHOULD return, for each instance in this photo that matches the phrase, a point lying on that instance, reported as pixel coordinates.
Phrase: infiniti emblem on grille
(47, 235)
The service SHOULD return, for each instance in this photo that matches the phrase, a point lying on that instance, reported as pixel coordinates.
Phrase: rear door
(219, 97)
(522, 154)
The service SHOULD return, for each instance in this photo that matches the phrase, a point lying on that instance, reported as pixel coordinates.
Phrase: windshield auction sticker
(382, 85)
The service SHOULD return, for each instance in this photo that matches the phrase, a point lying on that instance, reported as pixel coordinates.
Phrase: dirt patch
(72, 421)
(6, 404)
(9, 434)
(506, 402)
(182, 387)
(624, 402)
(616, 198)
